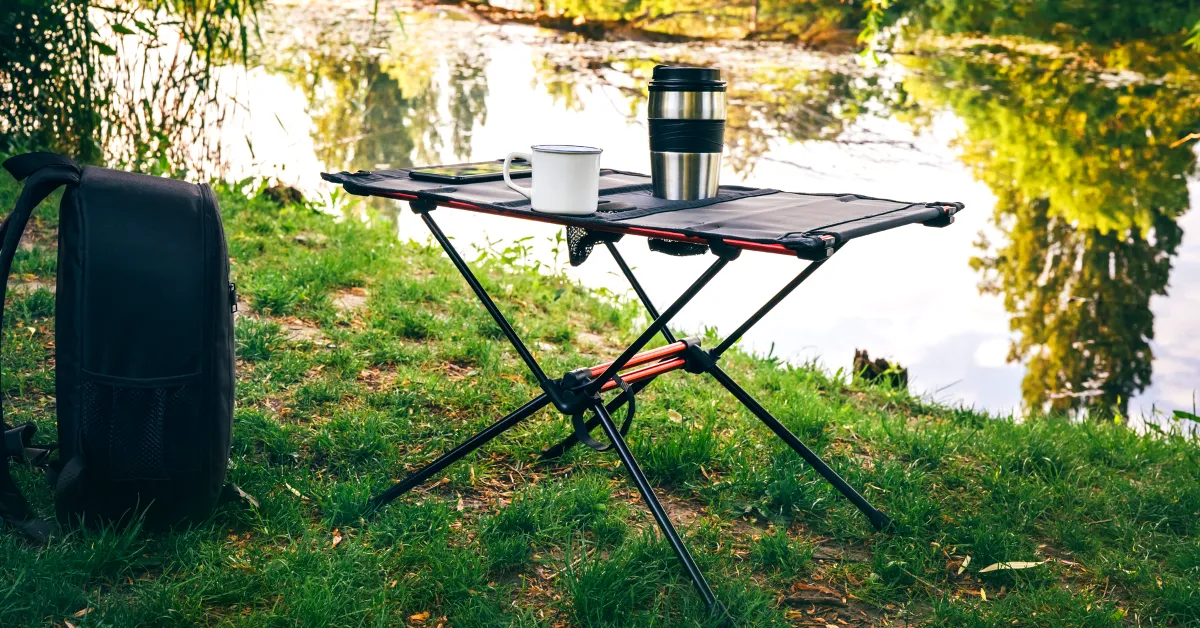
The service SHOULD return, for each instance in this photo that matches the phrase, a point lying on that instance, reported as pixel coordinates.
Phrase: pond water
(1072, 280)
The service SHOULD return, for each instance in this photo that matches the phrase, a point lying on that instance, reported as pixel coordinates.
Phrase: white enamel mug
(566, 179)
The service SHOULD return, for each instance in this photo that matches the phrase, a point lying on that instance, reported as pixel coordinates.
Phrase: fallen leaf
(420, 618)
(81, 613)
(674, 416)
(68, 624)
(293, 490)
(982, 594)
(1010, 565)
(244, 495)
(337, 538)
(966, 561)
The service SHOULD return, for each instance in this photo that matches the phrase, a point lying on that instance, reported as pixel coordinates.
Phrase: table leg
(637, 287)
(659, 323)
(448, 458)
(656, 509)
(878, 519)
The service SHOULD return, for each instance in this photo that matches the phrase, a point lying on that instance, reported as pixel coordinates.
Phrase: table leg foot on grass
(452, 456)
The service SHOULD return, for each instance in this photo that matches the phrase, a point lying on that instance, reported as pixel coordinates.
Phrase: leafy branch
(872, 31)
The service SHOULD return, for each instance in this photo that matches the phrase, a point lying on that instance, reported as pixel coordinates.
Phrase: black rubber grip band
(686, 136)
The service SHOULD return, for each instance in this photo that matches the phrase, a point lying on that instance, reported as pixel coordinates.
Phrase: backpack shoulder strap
(21, 166)
(43, 173)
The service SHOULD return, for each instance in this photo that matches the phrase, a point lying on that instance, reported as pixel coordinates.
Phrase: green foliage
(1078, 22)
(810, 21)
(72, 68)
(776, 551)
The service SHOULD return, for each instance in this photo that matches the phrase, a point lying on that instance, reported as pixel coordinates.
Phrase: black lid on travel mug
(677, 78)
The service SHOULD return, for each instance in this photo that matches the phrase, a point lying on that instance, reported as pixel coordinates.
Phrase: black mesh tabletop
(807, 224)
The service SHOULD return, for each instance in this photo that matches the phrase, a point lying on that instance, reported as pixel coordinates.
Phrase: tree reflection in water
(1088, 197)
(376, 99)
(770, 98)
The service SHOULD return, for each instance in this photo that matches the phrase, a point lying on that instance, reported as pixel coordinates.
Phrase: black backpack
(143, 347)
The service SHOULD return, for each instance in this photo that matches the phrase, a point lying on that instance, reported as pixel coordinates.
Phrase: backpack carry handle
(43, 173)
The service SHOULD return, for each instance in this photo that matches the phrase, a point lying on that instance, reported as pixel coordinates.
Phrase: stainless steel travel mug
(686, 113)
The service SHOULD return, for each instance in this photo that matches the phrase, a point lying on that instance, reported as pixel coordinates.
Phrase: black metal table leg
(484, 299)
(637, 287)
(660, 323)
(656, 509)
(878, 519)
(448, 458)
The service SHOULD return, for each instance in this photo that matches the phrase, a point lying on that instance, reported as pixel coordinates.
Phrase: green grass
(331, 415)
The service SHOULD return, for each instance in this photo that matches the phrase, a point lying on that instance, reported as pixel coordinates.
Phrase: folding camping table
(809, 226)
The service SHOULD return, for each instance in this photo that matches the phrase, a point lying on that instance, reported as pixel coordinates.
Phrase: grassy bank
(361, 358)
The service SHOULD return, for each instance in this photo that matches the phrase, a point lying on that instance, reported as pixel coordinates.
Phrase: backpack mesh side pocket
(125, 428)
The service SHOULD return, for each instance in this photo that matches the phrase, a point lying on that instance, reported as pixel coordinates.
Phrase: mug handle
(527, 193)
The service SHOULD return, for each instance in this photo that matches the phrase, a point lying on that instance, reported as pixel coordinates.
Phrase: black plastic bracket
(941, 221)
(724, 251)
(818, 247)
(678, 249)
(422, 206)
(567, 394)
(695, 359)
(947, 214)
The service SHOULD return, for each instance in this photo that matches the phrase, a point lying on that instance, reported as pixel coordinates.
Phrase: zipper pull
(233, 297)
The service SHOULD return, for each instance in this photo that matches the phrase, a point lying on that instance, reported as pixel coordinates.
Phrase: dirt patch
(350, 300)
(29, 287)
(683, 514)
(456, 371)
(817, 605)
(296, 330)
(377, 378)
(243, 308)
(824, 551)
(278, 406)
(587, 340)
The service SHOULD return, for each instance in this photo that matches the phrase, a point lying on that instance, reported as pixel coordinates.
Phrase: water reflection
(1088, 190)
(380, 102)
(771, 99)
(1088, 194)
(1088, 197)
